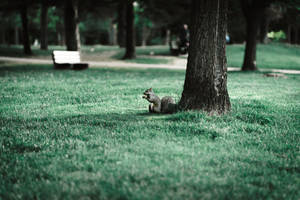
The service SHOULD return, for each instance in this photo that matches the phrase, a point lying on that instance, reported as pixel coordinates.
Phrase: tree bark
(25, 32)
(296, 35)
(60, 28)
(121, 23)
(71, 25)
(250, 50)
(130, 33)
(168, 37)
(288, 34)
(205, 86)
(16, 35)
(3, 39)
(44, 26)
(293, 34)
(145, 35)
(112, 33)
(254, 11)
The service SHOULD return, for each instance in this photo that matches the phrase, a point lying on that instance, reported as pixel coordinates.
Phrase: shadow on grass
(256, 112)
(46, 68)
(124, 128)
(245, 72)
(25, 68)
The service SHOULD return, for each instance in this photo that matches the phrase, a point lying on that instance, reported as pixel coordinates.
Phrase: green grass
(88, 134)
(269, 56)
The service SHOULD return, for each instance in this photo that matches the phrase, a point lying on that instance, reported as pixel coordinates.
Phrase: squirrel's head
(149, 95)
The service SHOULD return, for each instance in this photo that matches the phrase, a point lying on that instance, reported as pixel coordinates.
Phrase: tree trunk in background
(121, 23)
(168, 37)
(71, 25)
(3, 39)
(288, 34)
(44, 26)
(25, 33)
(253, 11)
(16, 35)
(264, 28)
(293, 34)
(205, 86)
(60, 28)
(77, 33)
(112, 33)
(250, 50)
(145, 35)
(61, 36)
(130, 32)
(296, 35)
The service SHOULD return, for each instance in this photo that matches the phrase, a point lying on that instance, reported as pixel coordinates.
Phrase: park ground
(271, 56)
(88, 134)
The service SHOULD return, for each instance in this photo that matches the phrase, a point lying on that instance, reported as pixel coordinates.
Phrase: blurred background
(103, 22)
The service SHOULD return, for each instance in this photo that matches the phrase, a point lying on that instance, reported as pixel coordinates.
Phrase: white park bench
(68, 60)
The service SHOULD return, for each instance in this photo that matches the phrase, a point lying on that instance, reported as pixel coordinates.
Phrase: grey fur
(157, 105)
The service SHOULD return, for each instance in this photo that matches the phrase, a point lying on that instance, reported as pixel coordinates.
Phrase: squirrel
(157, 105)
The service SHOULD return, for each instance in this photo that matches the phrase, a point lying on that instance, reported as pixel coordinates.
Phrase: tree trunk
(16, 35)
(71, 25)
(288, 34)
(77, 32)
(3, 39)
(60, 28)
(250, 50)
(130, 34)
(44, 26)
(264, 28)
(112, 33)
(60, 34)
(205, 86)
(168, 37)
(293, 34)
(296, 35)
(25, 32)
(145, 35)
(254, 12)
(121, 23)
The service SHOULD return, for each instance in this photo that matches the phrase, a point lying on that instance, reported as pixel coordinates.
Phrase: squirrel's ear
(150, 89)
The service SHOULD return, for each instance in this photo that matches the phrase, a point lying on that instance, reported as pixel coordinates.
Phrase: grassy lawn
(270, 56)
(88, 134)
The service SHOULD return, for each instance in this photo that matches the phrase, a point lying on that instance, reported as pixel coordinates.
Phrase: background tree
(143, 26)
(254, 11)
(71, 25)
(121, 23)
(291, 22)
(25, 32)
(273, 12)
(167, 17)
(130, 34)
(10, 27)
(236, 22)
(22, 8)
(44, 25)
(205, 86)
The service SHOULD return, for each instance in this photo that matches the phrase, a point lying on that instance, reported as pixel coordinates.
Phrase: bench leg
(62, 66)
(80, 66)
